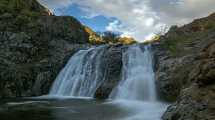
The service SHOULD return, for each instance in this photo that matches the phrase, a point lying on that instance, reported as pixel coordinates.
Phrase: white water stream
(137, 76)
(81, 76)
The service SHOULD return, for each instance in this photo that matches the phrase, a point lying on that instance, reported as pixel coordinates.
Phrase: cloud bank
(140, 19)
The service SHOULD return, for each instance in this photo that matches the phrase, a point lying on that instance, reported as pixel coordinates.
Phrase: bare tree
(163, 30)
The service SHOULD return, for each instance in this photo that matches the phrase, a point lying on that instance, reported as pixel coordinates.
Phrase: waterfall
(137, 76)
(81, 76)
(134, 96)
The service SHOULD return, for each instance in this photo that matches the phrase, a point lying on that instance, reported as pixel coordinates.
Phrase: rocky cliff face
(197, 102)
(34, 46)
(185, 70)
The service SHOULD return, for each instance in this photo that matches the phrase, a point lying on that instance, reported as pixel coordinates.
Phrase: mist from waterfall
(137, 81)
(81, 76)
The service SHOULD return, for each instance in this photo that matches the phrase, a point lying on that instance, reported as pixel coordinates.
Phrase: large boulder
(112, 65)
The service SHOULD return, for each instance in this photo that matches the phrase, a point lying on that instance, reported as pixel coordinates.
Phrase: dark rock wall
(27, 69)
(34, 47)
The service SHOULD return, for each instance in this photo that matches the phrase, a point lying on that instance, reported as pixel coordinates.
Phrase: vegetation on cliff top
(179, 38)
(108, 37)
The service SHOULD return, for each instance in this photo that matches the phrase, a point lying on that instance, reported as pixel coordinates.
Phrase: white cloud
(114, 26)
(54, 4)
(141, 18)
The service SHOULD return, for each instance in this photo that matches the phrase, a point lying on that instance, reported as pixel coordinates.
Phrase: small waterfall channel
(81, 76)
(137, 76)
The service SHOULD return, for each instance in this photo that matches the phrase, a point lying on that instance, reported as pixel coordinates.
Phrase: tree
(110, 37)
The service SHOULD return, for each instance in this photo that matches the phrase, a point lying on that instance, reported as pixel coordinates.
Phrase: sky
(141, 19)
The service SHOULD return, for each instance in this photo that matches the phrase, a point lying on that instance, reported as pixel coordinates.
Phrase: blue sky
(141, 19)
(97, 23)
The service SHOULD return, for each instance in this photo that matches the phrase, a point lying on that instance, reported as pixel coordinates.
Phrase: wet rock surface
(112, 65)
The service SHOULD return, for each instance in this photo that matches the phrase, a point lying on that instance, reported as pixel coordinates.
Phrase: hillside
(185, 70)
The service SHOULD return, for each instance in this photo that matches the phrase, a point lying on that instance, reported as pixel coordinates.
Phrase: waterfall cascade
(135, 95)
(81, 76)
(137, 76)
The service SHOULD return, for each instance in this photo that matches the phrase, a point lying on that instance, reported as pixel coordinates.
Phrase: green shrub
(30, 14)
(209, 25)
